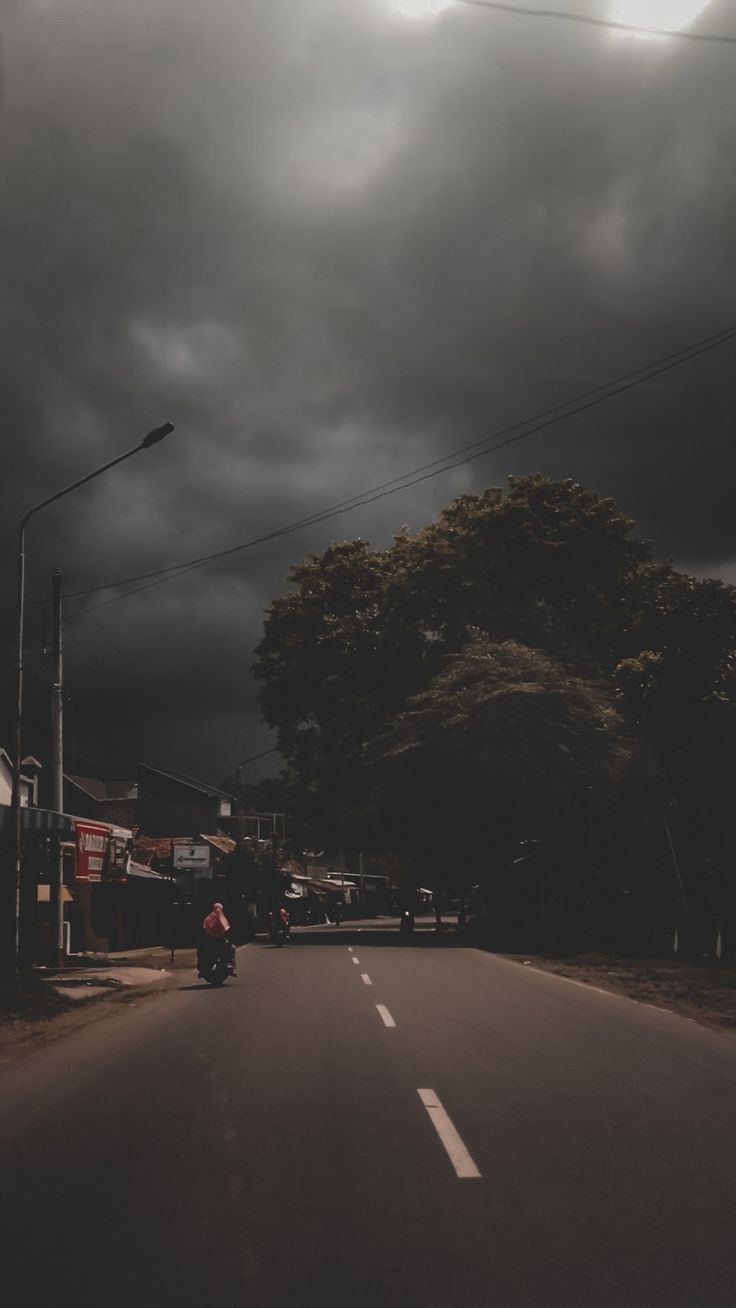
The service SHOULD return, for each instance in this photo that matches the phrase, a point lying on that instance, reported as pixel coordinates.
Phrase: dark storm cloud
(331, 242)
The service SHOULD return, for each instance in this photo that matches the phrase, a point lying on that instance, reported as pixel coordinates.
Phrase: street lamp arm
(152, 438)
(273, 750)
(13, 947)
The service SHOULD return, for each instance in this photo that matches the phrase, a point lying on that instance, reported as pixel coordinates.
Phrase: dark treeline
(518, 697)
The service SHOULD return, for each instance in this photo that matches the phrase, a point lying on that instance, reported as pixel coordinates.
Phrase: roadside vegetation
(29, 999)
(704, 993)
(526, 707)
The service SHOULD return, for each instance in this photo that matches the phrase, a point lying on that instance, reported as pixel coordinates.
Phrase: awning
(37, 819)
(224, 843)
(330, 883)
(139, 870)
(322, 883)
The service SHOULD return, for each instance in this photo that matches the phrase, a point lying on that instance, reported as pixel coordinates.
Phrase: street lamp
(252, 759)
(239, 786)
(152, 438)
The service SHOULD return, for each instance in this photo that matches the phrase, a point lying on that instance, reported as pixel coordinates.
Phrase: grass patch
(707, 990)
(666, 971)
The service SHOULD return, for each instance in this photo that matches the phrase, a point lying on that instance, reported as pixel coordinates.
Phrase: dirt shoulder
(50, 1004)
(705, 993)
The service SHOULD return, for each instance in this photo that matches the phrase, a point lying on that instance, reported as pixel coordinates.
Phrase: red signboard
(92, 850)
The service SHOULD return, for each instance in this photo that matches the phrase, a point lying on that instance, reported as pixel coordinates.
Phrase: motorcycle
(216, 965)
(406, 925)
(279, 930)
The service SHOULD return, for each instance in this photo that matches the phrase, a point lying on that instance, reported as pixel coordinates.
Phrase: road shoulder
(703, 993)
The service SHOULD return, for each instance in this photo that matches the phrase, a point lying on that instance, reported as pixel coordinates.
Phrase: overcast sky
(331, 240)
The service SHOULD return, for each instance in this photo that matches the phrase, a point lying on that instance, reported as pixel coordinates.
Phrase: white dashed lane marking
(385, 1015)
(458, 1155)
(366, 979)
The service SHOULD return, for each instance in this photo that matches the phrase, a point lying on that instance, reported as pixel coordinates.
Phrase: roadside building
(172, 804)
(106, 801)
(28, 780)
(199, 870)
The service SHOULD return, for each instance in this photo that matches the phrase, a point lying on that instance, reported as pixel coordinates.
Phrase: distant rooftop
(104, 789)
(202, 786)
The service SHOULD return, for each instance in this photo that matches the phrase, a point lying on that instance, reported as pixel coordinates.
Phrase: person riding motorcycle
(406, 924)
(215, 940)
(279, 925)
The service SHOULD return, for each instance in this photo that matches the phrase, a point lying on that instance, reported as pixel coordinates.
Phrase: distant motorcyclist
(279, 927)
(406, 924)
(215, 939)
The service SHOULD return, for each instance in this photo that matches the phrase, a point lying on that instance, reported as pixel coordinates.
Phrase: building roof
(143, 871)
(322, 883)
(38, 819)
(224, 843)
(192, 783)
(103, 789)
(149, 847)
(6, 757)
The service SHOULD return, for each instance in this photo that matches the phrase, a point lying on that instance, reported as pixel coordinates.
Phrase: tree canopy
(519, 652)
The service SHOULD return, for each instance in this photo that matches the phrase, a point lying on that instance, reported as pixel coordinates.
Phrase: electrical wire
(676, 356)
(562, 15)
(468, 454)
(464, 454)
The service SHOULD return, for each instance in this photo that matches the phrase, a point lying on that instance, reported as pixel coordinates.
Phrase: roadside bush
(29, 998)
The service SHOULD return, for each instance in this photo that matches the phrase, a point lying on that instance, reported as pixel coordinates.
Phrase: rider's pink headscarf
(215, 923)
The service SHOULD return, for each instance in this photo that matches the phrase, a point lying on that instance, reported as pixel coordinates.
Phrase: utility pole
(56, 778)
(362, 883)
(678, 873)
(15, 959)
(274, 865)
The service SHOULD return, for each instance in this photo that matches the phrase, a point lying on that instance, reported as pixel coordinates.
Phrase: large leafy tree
(360, 630)
(503, 747)
(546, 564)
(680, 691)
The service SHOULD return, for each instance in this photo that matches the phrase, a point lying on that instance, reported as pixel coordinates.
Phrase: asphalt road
(267, 1144)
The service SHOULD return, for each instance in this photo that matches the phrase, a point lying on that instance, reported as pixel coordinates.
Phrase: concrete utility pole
(56, 760)
(13, 945)
(671, 844)
(56, 779)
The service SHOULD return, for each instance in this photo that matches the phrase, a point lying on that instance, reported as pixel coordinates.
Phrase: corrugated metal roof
(37, 819)
(103, 789)
(223, 843)
(323, 883)
(148, 847)
(139, 870)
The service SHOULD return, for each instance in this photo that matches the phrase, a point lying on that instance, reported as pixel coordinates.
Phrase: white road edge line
(458, 1155)
(366, 979)
(385, 1015)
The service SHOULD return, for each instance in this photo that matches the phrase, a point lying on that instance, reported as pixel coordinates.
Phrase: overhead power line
(466, 454)
(562, 15)
(454, 458)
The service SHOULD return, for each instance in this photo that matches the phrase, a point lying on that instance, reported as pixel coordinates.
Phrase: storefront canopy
(140, 870)
(37, 819)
